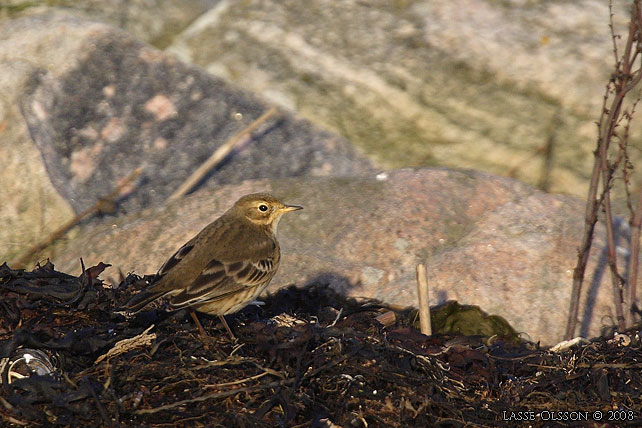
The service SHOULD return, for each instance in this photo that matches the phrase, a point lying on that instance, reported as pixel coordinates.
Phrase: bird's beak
(288, 208)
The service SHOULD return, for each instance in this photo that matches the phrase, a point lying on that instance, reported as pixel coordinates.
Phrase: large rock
(98, 104)
(30, 206)
(153, 21)
(487, 241)
(478, 84)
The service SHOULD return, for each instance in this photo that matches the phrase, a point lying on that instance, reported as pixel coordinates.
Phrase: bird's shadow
(325, 290)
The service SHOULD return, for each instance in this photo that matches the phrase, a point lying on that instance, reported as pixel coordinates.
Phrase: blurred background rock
(91, 90)
(495, 86)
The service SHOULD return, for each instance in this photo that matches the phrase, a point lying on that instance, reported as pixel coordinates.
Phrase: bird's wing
(219, 279)
(176, 257)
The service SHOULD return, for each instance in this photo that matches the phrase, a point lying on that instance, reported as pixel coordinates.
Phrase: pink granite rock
(486, 240)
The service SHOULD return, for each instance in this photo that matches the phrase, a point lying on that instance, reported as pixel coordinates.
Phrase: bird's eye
(263, 207)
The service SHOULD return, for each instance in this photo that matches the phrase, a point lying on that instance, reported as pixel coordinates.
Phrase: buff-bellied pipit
(226, 265)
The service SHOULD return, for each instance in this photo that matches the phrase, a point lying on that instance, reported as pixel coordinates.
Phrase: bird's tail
(140, 300)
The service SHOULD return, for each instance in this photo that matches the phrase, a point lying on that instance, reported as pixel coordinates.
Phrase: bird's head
(263, 209)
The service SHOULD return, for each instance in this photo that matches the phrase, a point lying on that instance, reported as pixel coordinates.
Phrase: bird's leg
(198, 323)
(227, 327)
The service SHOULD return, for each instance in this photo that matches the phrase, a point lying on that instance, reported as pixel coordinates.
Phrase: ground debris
(308, 357)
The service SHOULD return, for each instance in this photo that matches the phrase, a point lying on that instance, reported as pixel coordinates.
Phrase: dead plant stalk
(622, 82)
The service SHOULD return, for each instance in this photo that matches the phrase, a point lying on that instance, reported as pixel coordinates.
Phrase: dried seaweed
(308, 357)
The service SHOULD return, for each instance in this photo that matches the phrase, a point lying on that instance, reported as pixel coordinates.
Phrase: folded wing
(220, 279)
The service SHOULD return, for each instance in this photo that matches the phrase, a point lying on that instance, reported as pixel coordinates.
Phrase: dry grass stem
(424, 303)
(220, 154)
(142, 340)
(99, 206)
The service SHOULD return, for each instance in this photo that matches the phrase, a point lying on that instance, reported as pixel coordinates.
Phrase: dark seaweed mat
(308, 357)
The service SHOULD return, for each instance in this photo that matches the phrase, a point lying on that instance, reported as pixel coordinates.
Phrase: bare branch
(622, 81)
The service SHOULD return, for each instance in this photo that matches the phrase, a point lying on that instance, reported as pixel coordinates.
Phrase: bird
(225, 266)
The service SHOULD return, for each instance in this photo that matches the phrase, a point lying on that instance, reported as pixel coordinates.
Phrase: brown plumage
(226, 265)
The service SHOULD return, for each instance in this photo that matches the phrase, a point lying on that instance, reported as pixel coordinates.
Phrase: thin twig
(633, 263)
(607, 176)
(424, 304)
(627, 167)
(62, 230)
(236, 382)
(219, 155)
(635, 219)
(590, 219)
(12, 420)
(207, 397)
(609, 365)
(612, 29)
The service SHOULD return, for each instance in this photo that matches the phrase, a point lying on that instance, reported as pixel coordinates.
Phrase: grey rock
(154, 21)
(116, 104)
(468, 84)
